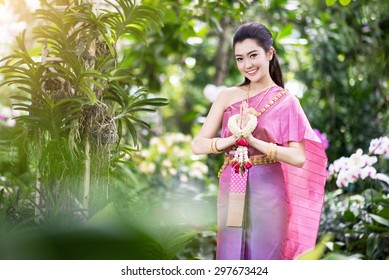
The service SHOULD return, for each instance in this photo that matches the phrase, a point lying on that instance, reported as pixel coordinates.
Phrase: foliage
(358, 213)
(182, 209)
(346, 71)
(164, 183)
(168, 158)
(78, 100)
(105, 236)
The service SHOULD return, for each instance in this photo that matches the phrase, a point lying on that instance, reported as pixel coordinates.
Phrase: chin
(254, 79)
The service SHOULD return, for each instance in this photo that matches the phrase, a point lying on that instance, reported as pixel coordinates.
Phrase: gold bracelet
(274, 157)
(213, 145)
(214, 149)
(272, 151)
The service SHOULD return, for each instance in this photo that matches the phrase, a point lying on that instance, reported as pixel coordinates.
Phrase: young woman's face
(252, 60)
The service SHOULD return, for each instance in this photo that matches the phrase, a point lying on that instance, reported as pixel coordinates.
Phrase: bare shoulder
(230, 95)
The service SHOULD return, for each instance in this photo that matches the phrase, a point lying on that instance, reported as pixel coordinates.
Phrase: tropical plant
(358, 212)
(105, 236)
(80, 103)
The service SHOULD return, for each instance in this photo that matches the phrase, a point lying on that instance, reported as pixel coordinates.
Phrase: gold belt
(255, 160)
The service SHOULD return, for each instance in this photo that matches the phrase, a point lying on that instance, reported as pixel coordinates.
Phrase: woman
(271, 185)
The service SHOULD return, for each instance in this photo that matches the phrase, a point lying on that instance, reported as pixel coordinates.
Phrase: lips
(252, 72)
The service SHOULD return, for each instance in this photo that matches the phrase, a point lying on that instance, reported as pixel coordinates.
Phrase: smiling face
(252, 60)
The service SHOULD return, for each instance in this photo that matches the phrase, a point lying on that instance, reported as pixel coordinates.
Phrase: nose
(248, 64)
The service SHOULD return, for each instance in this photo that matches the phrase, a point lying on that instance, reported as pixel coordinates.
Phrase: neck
(255, 87)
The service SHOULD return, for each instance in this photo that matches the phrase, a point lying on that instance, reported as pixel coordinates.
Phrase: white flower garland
(241, 160)
(239, 163)
(242, 133)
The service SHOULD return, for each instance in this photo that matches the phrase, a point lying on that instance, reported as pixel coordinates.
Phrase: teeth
(251, 72)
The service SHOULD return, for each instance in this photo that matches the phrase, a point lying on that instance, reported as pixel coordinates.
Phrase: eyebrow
(250, 52)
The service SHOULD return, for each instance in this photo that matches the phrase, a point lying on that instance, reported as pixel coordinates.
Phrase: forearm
(293, 154)
(203, 145)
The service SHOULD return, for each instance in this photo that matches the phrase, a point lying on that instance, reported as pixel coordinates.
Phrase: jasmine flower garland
(241, 160)
(242, 133)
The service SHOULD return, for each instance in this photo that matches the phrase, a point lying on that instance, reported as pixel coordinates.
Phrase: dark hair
(262, 35)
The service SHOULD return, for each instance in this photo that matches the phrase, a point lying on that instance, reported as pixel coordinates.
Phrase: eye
(254, 55)
(239, 59)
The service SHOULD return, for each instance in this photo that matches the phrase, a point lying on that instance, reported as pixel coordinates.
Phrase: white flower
(370, 160)
(184, 178)
(144, 153)
(367, 171)
(340, 164)
(357, 160)
(358, 165)
(166, 163)
(374, 145)
(154, 141)
(195, 173)
(170, 139)
(343, 179)
(179, 137)
(198, 165)
(178, 152)
(145, 167)
(6, 112)
(10, 122)
(173, 171)
(161, 149)
(184, 169)
(380, 146)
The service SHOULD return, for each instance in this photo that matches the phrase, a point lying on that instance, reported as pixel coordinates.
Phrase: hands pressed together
(243, 120)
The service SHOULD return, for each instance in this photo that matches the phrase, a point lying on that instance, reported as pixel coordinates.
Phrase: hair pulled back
(263, 37)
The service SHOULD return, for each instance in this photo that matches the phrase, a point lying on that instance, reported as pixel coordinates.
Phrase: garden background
(99, 101)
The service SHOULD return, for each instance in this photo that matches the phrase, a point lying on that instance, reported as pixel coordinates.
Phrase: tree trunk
(222, 62)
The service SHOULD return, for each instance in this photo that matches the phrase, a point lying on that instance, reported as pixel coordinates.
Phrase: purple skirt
(263, 234)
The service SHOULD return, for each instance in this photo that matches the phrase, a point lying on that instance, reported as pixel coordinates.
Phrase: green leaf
(372, 244)
(370, 195)
(380, 220)
(344, 2)
(132, 130)
(330, 2)
(90, 93)
(349, 216)
(384, 212)
(334, 246)
(317, 252)
(174, 239)
(285, 31)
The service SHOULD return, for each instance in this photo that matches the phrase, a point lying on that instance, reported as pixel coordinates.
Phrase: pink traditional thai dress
(283, 202)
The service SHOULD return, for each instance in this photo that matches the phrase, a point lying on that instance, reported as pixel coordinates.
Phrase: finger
(245, 106)
(245, 112)
(240, 115)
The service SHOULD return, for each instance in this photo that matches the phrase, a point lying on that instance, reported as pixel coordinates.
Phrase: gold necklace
(263, 96)
(267, 106)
